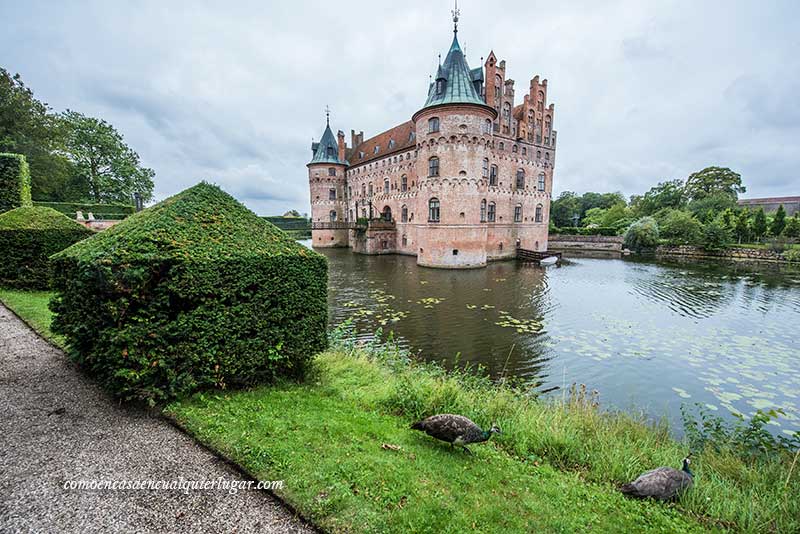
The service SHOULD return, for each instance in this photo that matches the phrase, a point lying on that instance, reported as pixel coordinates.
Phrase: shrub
(15, 182)
(792, 255)
(792, 228)
(642, 234)
(28, 237)
(194, 292)
(574, 230)
(716, 235)
(100, 211)
(681, 228)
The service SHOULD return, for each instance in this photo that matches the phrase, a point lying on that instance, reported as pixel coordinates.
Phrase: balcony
(334, 225)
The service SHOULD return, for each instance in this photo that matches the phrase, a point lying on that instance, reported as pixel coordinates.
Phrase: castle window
(350, 192)
(487, 126)
(331, 171)
(332, 215)
(483, 210)
(376, 149)
(491, 213)
(538, 154)
(518, 213)
(502, 146)
(332, 194)
(440, 86)
(538, 213)
(363, 190)
(330, 151)
(433, 124)
(506, 110)
(360, 155)
(485, 168)
(386, 185)
(547, 156)
(370, 189)
(411, 137)
(404, 183)
(493, 175)
(433, 210)
(433, 166)
(520, 179)
(541, 181)
(405, 240)
(530, 117)
(404, 213)
(524, 151)
(514, 149)
(391, 146)
(351, 215)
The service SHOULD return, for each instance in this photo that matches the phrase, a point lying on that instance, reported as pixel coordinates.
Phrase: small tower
(328, 186)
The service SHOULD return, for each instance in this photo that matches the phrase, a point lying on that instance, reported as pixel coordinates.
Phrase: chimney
(340, 136)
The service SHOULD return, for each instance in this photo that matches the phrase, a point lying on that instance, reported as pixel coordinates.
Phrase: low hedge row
(573, 230)
(28, 237)
(290, 223)
(15, 182)
(194, 292)
(100, 211)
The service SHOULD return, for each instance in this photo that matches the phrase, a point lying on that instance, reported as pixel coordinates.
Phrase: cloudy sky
(233, 92)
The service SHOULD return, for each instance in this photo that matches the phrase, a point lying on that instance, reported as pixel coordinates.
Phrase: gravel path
(56, 426)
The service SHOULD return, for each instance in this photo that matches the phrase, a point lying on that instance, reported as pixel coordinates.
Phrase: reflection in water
(644, 333)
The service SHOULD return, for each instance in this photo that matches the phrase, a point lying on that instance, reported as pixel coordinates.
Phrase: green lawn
(31, 306)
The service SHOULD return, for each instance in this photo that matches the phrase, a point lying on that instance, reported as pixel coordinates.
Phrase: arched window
(385, 185)
(538, 213)
(404, 183)
(405, 240)
(440, 86)
(332, 194)
(502, 146)
(547, 126)
(487, 126)
(524, 151)
(363, 190)
(541, 181)
(433, 124)
(370, 189)
(404, 213)
(332, 215)
(330, 152)
(520, 179)
(331, 171)
(386, 214)
(433, 166)
(490, 215)
(506, 110)
(518, 213)
(483, 210)
(493, 175)
(433, 210)
(485, 168)
(514, 149)
(530, 117)
(351, 215)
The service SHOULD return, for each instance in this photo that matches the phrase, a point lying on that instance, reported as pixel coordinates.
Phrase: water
(646, 334)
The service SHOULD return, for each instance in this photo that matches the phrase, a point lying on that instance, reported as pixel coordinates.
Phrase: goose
(662, 483)
(456, 430)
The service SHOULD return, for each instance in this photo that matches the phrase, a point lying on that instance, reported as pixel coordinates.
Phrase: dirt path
(56, 426)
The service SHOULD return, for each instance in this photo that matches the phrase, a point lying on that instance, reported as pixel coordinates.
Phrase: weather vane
(455, 13)
(328, 114)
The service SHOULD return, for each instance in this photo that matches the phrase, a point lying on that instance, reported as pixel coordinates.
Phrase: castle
(467, 180)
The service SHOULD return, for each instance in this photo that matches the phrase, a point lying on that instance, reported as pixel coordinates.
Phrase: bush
(716, 235)
(642, 234)
(681, 228)
(100, 211)
(194, 292)
(792, 255)
(15, 182)
(573, 230)
(792, 229)
(28, 237)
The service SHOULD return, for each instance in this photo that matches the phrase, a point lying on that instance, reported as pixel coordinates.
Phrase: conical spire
(327, 150)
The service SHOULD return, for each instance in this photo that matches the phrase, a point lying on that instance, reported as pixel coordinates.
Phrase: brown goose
(456, 430)
(662, 483)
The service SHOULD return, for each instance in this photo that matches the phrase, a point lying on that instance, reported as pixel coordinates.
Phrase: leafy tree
(716, 235)
(591, 200)
(714, 181)
(111, 169)
(28, 127)
(564, 207)
(760, 223)
(742, 225)
(708, 207)
(792, 228)
(779, 221)
(642, 234)
(669, 194)
(680, 227)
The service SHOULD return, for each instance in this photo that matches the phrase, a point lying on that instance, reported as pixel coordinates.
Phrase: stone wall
(586, 242)
(736, 254)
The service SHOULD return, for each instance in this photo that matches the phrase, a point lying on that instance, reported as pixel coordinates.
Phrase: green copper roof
(327, 150)
(457, 80)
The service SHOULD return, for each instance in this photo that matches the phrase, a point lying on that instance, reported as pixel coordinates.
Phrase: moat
(646, 334)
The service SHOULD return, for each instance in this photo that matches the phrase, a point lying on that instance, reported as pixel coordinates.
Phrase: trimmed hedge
(599, 230)
(15, 182)
(290, 223)
(100, 211)
(192, 293)
(28, 237)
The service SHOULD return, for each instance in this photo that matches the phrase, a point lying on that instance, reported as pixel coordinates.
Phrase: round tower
(327, 183)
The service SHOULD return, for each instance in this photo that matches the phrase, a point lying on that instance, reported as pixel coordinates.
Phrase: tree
(708, 207)
(642, 234)
(591, 200)
(28, 127)
(716, 235)
(793, 226)
(680, 227)
(564, 207)
(111, 169)
(741, 226)
(760, 223)
(779, 221)
(669, 194)
(714, 181)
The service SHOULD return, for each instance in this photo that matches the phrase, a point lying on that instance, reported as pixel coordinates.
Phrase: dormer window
(440, 86)
(376, 149)
(391, 144)
(330, 152)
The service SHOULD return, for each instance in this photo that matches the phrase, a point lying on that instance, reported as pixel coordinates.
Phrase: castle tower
(454, 135)
(327, 183)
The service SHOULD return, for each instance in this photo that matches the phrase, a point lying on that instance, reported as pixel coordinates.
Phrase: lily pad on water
(682, 393)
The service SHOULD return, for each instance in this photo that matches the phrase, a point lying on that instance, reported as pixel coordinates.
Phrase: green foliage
(792, 255)
(192, 293)
(759, 225)
(28, 237)
(741, 225)
(290, 223)
(112, 211)
(681, 228)
(716, 235)
(669, 194)
(792, 228)
(563, 208)
(708, 207)
(779, 221)
(597, 230)
(643, 234)
(15, 182)
(111, 168)
(714, 181)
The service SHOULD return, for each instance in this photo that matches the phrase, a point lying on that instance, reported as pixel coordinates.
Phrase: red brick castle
(465, 181)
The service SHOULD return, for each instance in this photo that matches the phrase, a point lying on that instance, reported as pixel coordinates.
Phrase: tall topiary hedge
(28, 237)
(114, 211)
(194, 292)
(15, 182)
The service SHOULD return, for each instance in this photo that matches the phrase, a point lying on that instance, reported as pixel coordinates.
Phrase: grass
(341, 443)
(31, 306)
